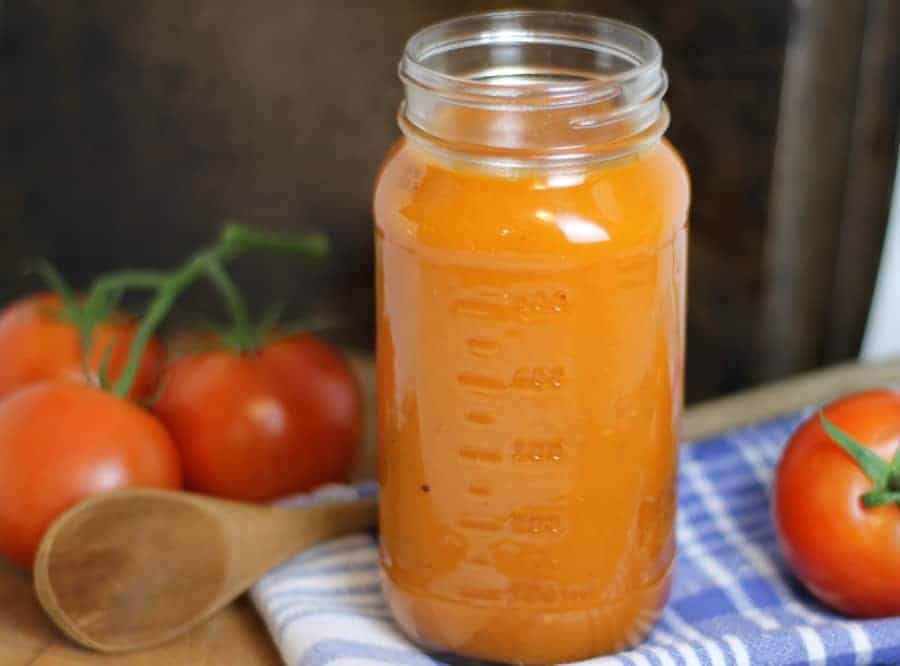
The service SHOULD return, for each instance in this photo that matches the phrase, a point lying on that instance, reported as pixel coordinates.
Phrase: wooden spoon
(131, 569)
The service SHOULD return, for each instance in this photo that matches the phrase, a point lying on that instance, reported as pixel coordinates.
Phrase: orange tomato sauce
(530, 355)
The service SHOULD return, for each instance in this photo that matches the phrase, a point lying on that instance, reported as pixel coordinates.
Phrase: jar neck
(533, 88)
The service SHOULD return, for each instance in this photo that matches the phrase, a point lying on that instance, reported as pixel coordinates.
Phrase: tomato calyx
(242, 335)
(106, 292)
(884, 475)
(85, 313)
(234, 241)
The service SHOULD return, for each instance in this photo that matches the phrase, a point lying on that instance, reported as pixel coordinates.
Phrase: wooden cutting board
(237, 636)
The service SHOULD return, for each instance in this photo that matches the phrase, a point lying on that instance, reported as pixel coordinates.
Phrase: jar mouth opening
(531, 87)
(545, 59)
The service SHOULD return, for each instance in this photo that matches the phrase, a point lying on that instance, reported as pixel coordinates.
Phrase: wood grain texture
(135, 568)
(234, 637)
(783, 397)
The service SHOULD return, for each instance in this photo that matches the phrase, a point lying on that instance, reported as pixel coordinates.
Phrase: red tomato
(190, 342)
(37, 343)
(263, 424)
(62, 441)
(848, 555)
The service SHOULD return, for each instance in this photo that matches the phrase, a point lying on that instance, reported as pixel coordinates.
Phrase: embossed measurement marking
(539, 378)
(536, 521)
(525, 378)
(480, 381)
(539, 450)
(530, 592)
(513, 460)
(511, 306)
(480, 523)
(481, 454)
(528, 521)
(481, 418)
(483, 347)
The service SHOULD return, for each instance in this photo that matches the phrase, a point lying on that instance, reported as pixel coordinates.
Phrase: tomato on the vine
(63, 441)
(835, 504)
(259, 424)
(37, 342)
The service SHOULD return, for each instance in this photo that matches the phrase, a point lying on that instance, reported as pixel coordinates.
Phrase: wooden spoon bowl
(135, 568)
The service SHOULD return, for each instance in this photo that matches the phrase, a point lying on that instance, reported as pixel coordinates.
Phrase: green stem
(242, 326)
(234, 241)
(129, 279)
(105, 294)
(884, 475)
(895, 465)
(57, 283)
(875, 468)
(876, 497)
(159, 308)
(242, 239)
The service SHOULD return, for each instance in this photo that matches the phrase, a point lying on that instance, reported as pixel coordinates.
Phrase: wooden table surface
(237, 637)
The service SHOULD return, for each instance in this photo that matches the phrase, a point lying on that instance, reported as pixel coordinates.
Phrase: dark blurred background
(134, 128)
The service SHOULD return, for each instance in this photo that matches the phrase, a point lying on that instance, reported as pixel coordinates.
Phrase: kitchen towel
(733, 600)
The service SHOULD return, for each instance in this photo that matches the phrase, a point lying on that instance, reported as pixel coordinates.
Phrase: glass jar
(531, 246)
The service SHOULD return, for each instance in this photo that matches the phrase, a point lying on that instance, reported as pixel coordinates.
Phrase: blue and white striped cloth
(733, 600)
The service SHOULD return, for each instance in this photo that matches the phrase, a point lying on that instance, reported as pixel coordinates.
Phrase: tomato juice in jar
(530, 266)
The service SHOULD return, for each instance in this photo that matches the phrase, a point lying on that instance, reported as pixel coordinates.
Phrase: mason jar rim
(531, 26)
(525, 88)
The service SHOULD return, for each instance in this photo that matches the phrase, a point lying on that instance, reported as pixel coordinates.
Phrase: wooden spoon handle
(277, 534)
(320, 522)
(132, 569)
